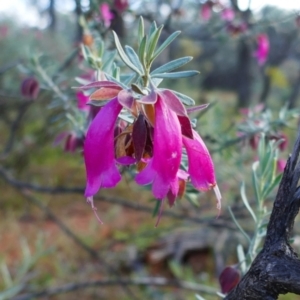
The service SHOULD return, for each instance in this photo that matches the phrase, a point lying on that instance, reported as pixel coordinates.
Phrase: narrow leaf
(246, 203)
(197, 108)
(142, 51)
(152, 44)
(104, 94)
(184, 98)
(172, 65)
(165, 44)
(123, 55)
(99, 84)
(141, 29)
(108, 61)
(134, 58)
(181, 74)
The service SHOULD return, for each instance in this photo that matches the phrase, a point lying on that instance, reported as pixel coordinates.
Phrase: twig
(73, 236)
(115, 200)
(146, 281)
(14, 128)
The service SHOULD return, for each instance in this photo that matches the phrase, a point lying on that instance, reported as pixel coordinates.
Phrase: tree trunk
(276, 269)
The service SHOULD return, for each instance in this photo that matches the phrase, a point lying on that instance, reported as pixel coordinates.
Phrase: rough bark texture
(276, 270)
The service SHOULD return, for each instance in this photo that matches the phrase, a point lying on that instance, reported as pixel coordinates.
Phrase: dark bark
(78, 12)
(276, 269)
(244, 73)
(295, 93)
(52, 15)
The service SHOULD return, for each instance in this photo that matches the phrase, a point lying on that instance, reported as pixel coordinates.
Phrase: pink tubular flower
(121, 5)
(99, 155)
(82, 101)
(227, 14)
(206, 11)
(154, 141)
(106, 14)
(201, 168)
(162, 170)
(30, 88)
(263, 48)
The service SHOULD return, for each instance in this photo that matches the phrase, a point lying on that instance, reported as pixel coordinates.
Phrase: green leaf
(152, 44)
(85, 52)
(127, 79)
(269, 189)
(184, 98)
(238, 225)
(142, 51)
(111, 78)
(108, 60)
(165, 44)
(152, 29)
(245, 200)
(172, 65)
(141, 29)
(123, 55)
(255, 182)
(181, 74)
(116, 72)
(134, 58)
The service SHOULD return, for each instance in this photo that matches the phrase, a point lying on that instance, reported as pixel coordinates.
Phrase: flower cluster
(155, 140)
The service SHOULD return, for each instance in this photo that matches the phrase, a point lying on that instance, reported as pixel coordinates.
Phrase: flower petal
(201, 168)
(163, 167)
(173, 102)
(99, 154)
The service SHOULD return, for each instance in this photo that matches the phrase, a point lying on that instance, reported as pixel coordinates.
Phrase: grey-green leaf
(172, 65)
(141, 29)
(142, 50)
(184, 98)
(108, 60)
(165, 44)
(134, 58)
(152, 43)
(123, 55)
(181, 74)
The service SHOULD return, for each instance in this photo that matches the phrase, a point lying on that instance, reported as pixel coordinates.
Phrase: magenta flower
(263, 48)
(82, 101)
(155, 140)
(99, 155)
(30, 88)
(201, 168)
(106, 14)
(227, 14)
(206, 11)
(162, 169)
(121, 5)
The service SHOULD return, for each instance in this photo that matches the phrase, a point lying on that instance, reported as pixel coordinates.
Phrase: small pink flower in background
(30, 88)
(121, 5)
(235, 28)
(206, 11)
(72, 141)
(263, 48)
(106, 14)
(82, 101)
(228, 279)
(297, 21)
(281, 163)
(3, 31)
(256, 109)
(227, 14)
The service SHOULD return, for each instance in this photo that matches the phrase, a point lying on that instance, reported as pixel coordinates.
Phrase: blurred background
(51, 246)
